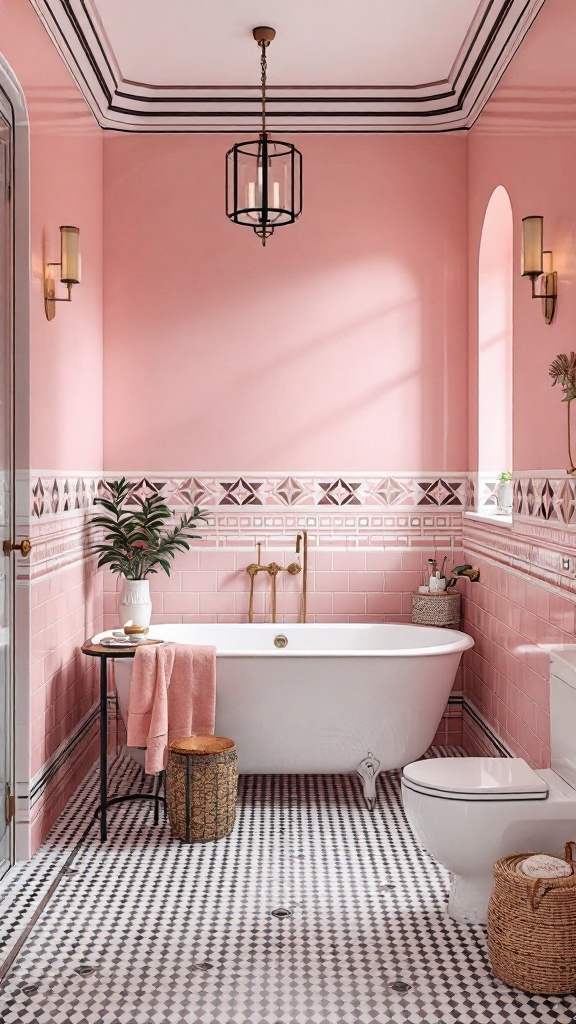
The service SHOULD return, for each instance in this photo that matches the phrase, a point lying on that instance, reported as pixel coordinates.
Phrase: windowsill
(503, 519)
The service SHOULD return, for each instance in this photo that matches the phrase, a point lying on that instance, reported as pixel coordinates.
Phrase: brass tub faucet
(272, 569)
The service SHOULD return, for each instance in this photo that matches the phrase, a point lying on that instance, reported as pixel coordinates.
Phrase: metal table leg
(103, 747)
(96, 651)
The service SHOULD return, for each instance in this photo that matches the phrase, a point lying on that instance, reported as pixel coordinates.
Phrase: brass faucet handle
(293, 568)
(273, 569)
(252, 569)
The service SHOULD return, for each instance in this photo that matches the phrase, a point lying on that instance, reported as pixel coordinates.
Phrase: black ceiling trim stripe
(413, 120)
(473, 42)
(275, 100)
(72, 63)
(502, 70)
(486, 50)
(284, 114)
(502, 51)
(441, 129)
(285, 88)
(112, 70)
(153, 99)
(85, 47)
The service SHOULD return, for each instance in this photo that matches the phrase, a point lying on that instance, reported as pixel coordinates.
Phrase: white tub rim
(462, 641)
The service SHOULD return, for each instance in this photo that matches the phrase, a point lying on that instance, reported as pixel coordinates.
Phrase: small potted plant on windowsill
(504, 495)
(137, 542)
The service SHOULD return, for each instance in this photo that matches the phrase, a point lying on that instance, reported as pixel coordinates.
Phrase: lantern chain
(263, 66)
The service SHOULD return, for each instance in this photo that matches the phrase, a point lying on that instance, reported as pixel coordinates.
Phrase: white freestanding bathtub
(335, 698)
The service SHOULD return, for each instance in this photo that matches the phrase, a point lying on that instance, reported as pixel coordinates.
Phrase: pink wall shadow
(336, 346)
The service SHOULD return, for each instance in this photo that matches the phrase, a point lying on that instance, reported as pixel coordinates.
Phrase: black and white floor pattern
(145, 930)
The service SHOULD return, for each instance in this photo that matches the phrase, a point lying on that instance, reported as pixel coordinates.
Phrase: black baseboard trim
(469, 710)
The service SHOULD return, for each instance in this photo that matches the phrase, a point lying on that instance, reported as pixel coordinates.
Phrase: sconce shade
(71, 270)
(547, 263)
(532, 246)
(263, 184)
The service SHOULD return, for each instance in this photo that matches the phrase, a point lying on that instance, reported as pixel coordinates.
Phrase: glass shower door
(6, 508)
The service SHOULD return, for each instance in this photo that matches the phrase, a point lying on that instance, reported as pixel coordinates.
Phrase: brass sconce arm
(49, 287)
(547, 293)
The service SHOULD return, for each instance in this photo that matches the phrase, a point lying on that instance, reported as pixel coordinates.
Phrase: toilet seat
(477, 779)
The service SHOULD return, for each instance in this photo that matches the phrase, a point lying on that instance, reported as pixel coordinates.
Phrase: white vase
(135, 605)
(504, 496)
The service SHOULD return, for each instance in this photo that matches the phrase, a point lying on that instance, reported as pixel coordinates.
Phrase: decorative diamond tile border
(551, 498)
(548, 498)
(145, 929)
(55, 495)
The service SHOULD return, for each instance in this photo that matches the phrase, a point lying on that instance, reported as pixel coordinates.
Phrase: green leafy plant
(563, 372)
(505, 477)
(138, 541)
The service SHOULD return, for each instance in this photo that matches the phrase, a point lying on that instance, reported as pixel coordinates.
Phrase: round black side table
(105, 654)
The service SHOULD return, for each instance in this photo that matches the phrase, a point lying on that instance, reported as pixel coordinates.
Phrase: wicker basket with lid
(532, 928)
(201, 788)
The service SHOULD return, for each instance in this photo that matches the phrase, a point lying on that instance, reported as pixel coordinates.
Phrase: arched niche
(495, 327)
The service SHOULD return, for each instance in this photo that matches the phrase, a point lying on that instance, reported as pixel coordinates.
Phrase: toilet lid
(476, 778)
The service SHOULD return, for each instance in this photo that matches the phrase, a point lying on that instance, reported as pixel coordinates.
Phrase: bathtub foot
(368, 770)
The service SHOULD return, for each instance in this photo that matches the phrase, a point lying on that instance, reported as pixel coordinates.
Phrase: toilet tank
(563, 714)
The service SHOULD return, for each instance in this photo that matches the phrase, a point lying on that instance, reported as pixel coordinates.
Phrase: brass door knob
(24, 547)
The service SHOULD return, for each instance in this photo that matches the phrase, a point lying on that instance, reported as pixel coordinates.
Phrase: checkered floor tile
(146, 930)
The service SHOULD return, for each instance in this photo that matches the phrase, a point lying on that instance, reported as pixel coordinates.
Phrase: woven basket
(201, 788)
(436, 609)
(532, 928)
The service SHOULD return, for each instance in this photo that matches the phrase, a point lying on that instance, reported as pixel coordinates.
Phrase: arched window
(495, 272)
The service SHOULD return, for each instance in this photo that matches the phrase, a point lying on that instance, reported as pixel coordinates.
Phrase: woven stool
(532, 928)
(201, 788)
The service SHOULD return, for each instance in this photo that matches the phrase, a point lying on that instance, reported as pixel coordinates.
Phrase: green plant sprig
(563, 371)
(137, 541)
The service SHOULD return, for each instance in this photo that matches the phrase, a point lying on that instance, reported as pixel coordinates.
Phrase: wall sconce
(537, 262)
(70, 269)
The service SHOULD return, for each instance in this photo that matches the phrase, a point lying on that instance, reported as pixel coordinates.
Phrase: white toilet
(469, 812)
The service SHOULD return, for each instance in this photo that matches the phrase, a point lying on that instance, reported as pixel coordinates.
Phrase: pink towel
(172, 695)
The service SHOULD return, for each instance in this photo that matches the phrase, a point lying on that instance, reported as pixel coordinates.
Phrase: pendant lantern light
(263, 176)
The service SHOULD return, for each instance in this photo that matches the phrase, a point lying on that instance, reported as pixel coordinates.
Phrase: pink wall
(335, 347)
(526, 141)
(513, 619)
(339, 346)
(66, 182)
(66, 608)
(67, 353)
(343, 586)
(66, 412)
